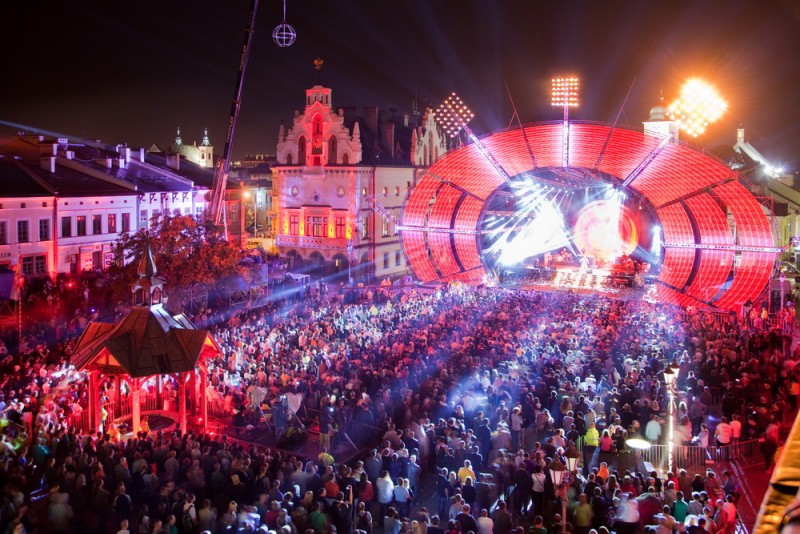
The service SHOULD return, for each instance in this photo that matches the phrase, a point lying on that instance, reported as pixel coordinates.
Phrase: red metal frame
(693, 193)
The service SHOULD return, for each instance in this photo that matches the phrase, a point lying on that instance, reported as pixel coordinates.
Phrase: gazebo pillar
(136, 409)
(95, 419)
(182, 401)
(204, 398)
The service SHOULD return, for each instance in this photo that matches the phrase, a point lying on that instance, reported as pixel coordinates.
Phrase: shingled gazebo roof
(146, 342)
(149, 340)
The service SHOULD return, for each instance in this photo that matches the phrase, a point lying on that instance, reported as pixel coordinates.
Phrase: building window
(315, 226)
(3, 233)
(97, 224)
(112, 223)
(34, 265)
(385, 260)
(126, 222)
(397, 258)
(81, 230)
(23, 235)
(340, 228)
(143, 219)
(385, 228)
(44, 229)
(66, 226)
(365, 227)
(294, 225)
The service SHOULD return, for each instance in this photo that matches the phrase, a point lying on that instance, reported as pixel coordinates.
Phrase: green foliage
(186, 252)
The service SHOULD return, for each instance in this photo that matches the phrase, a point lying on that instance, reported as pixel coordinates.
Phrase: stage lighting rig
(698, 105)
(453, 115)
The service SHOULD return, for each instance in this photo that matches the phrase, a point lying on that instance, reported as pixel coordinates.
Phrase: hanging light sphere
(284, 35)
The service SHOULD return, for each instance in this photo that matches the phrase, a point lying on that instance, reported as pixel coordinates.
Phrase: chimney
(174, 161)
(371, 118)
(121, 162)
(388, 136)
(108, 162)
(48, 148)
(124, 153)
(48, 163)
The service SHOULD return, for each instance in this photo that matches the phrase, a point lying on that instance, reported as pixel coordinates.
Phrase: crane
(217, 209)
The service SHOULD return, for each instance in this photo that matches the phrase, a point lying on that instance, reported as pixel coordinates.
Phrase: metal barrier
(698, 459)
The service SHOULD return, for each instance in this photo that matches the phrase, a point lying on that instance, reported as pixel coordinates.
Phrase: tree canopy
(186, 252)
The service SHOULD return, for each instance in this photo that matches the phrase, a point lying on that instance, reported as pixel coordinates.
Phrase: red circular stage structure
(716, 241)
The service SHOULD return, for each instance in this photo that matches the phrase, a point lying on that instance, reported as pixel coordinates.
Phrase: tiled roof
(148, 341)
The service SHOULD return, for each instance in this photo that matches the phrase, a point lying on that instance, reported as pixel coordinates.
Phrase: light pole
(561, 476)
(564, 93)
(669, 379)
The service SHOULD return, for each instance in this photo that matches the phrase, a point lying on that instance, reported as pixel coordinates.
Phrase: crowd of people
(462, 397)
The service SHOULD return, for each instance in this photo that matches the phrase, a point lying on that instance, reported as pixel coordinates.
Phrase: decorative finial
(318, 65)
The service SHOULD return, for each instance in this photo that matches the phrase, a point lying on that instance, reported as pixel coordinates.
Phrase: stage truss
(718, 246)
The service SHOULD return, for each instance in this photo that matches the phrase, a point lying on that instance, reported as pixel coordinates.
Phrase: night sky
(133, 71)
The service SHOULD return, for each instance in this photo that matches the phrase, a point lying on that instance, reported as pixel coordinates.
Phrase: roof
(146, 342)
(201, 176)
(18, 179)
(15, 181)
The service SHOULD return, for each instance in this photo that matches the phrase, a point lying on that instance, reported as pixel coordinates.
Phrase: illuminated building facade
(64, 204)
(341, 182)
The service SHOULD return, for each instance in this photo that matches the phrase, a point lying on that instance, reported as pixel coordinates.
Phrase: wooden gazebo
(147, 342)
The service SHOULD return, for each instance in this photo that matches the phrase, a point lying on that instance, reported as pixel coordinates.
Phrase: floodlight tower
(564, 93)
(453, 116)
(698, 105)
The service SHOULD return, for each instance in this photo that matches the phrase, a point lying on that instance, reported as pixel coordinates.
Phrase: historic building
(63, 204)
(341, 181)
(202, 154)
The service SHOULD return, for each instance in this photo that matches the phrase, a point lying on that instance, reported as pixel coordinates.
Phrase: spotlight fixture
(698, 105)
(453, 115)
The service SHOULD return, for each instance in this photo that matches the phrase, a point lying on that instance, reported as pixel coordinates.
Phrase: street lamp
(561, 474)
(669, 379)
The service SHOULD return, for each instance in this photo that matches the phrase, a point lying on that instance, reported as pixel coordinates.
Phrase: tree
(186, 252)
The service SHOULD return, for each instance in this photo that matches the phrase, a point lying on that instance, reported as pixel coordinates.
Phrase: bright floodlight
(698, 105)
(564, 92)
(453, 115)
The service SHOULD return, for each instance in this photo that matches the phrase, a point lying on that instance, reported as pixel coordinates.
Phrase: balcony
(310, 242)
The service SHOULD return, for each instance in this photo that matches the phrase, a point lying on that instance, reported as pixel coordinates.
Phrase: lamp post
(557, 473)
(669, 379)
(562, 474)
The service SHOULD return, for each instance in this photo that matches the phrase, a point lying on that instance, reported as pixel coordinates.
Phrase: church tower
(659, 125)
(206, 151)
(148, 290)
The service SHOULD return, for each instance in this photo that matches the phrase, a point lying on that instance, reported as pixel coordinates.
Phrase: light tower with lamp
(564, 93)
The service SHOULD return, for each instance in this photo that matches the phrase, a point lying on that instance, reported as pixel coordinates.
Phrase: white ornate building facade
(341, 182)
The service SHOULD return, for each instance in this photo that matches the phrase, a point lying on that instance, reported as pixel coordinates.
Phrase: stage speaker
(780, 209)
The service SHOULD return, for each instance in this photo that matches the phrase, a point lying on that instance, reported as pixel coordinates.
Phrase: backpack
(188, 521)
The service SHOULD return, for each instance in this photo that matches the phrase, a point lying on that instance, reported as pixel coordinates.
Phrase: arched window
(346, 159)
(289, 158)
(301, 151)
(332, 150)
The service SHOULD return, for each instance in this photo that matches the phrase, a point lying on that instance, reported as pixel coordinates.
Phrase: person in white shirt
(723, 433)
(485, 523)
(736, 429)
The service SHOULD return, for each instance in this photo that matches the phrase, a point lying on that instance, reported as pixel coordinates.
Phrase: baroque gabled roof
(146, 342)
